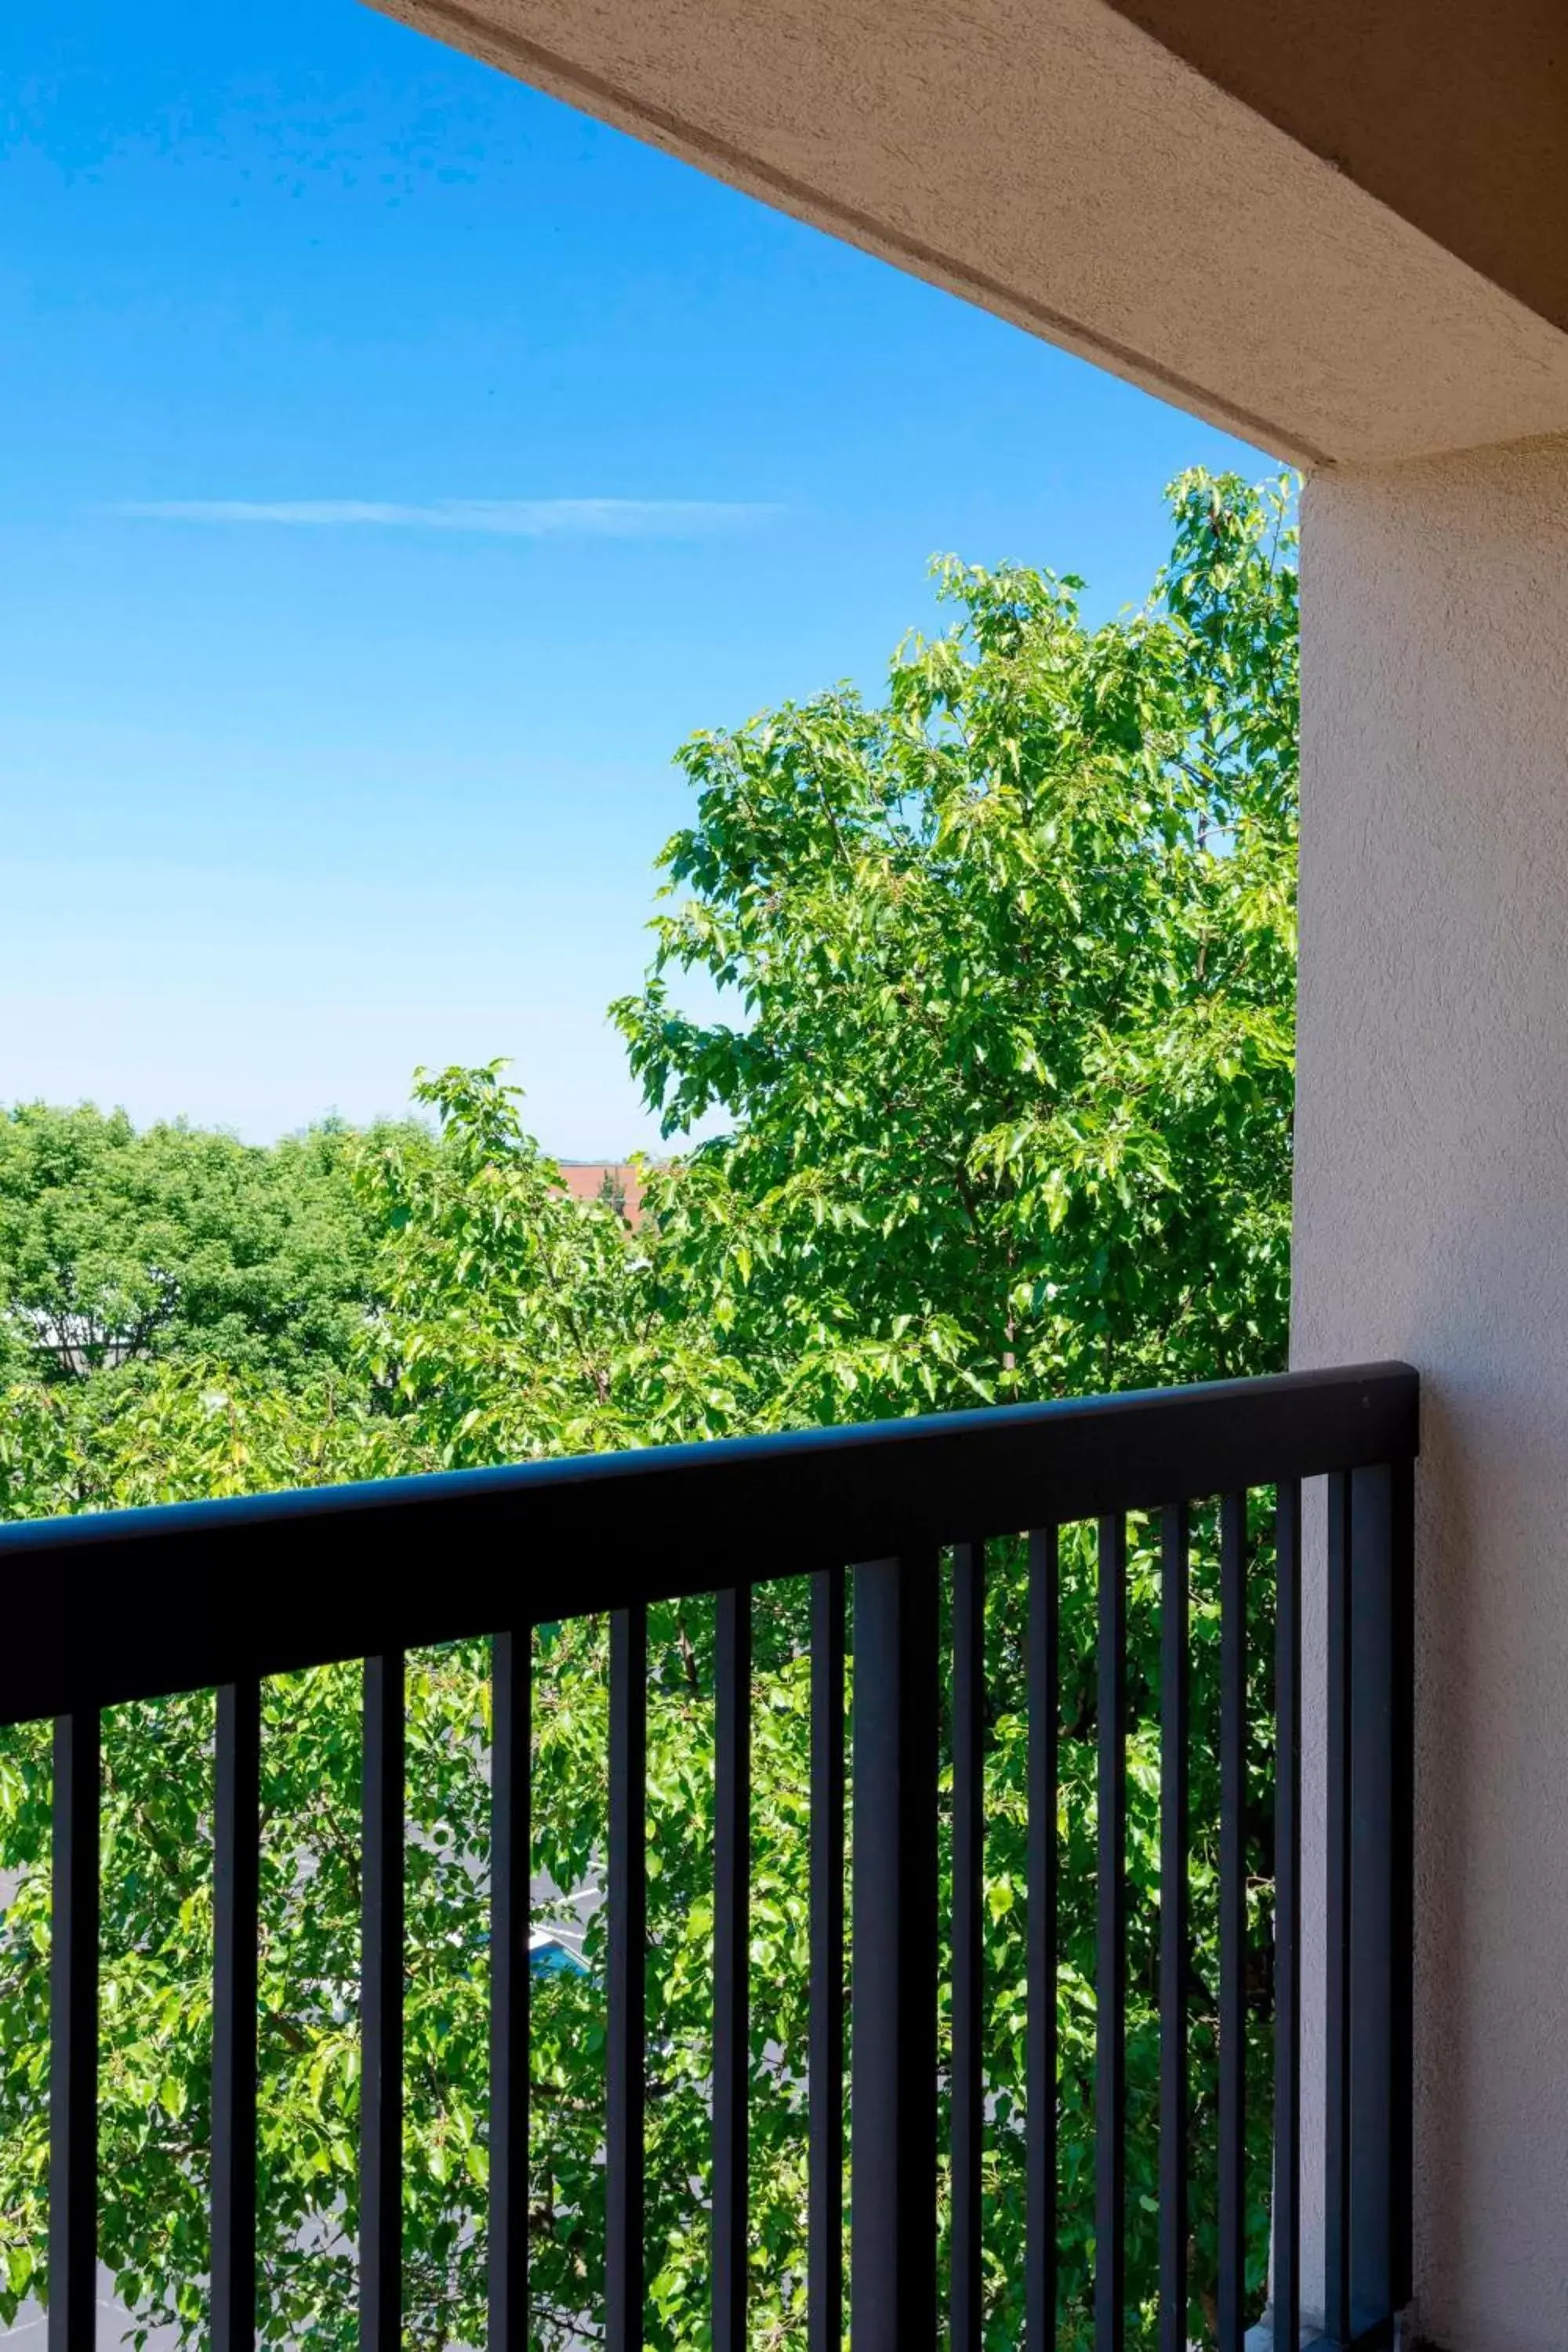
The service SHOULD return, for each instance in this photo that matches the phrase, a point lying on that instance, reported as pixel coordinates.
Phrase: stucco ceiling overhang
(1056, 162)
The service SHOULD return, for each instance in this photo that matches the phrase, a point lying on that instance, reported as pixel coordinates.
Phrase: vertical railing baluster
(381, 2010)
(893, 2064)
(824, 2227)
(1369, 1896)
(1380, 1895)
(1110, 1974)
(1175, 1916)
(73, 2036)
(626, 1895)
(731, 1975)
(1044, 1697)
(1233, 1922)
(1399, 1533)
(1287, 2294)
(237, 1861)
(1337, 1922)
(511, 1658)
(968, 1948)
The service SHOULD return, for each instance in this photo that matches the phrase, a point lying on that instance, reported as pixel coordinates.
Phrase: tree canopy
(1007, 1094)
(118, 1246)
(1004, 1084)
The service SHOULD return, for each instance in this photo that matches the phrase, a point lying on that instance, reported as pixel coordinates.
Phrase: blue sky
(396, 467)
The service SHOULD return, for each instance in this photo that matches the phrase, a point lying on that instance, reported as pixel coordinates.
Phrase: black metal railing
(99, 1610)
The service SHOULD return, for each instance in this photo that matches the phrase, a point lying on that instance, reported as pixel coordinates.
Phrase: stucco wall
(1432, 1222)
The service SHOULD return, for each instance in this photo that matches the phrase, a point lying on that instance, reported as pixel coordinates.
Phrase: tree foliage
(118, 1246)
(1008, 1093)
(1006, 961)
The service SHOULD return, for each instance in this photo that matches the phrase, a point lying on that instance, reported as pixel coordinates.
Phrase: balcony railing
(99, 1610)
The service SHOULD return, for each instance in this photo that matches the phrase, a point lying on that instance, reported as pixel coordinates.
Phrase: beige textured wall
(1432, 1222)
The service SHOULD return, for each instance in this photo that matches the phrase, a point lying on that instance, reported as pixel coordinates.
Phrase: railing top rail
(103, 1608)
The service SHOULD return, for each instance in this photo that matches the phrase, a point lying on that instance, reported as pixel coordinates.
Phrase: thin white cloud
(496, 518)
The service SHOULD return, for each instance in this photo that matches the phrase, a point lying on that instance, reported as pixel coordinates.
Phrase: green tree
(1011, 955)
(516, 1320)
(1006, 1082)
(119, 1247)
